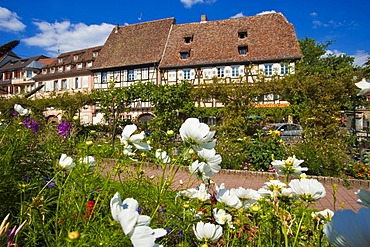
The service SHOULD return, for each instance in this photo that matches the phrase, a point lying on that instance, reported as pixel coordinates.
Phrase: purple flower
(50, 183)
(31, 124)
(64, 129)
(161, 210)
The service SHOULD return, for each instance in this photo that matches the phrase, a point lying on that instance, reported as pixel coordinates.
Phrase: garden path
(345, 194)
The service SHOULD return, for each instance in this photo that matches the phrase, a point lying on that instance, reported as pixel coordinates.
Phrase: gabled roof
(136, 44)
(21, 63)
(83, 55)
(269, 37)
(68, 59)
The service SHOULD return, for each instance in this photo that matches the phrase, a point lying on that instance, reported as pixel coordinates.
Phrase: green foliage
(323, 157)
(261, 150)
(320, 87)
(170, 102)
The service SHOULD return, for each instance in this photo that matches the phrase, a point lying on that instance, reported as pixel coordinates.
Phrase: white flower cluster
(133, 224)
(132, 141)
(288, 166)
(200, 138)
(67, 162)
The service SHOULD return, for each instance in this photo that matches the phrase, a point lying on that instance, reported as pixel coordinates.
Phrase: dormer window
(188, 39)
(242, 34)
(95, 54)
(185, 54)
(243, 50)
(75, 57)
(60, 60)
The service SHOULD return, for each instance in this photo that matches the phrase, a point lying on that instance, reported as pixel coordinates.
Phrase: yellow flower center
(73, 235)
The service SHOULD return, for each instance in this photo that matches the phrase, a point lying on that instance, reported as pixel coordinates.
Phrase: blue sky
(45, 27)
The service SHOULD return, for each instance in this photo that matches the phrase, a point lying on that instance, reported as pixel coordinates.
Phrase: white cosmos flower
(66, 162)
(271, 187)
(162, 155)
(221, 216)
(130, 140)
(287, 192)
(89, 160)
(247, 196)
(144, 236)
(125, 212)
(228, 197)
(325, 215)
(207, 231)
(21, 111)
(288, 166)
(201, 170)
(308, 189)
(363, 197)
(348, 228)
(200, 193)
(212, 159)
(134, 225)
(197, 134)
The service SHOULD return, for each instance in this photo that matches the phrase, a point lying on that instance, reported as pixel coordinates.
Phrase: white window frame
(186, 74)
(268, 69)
(221, 72)
(234, 71)
(131, 75)
(284, 69)
(144, 73)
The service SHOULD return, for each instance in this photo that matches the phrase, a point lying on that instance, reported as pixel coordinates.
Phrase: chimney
(116, 27)
(203, 18)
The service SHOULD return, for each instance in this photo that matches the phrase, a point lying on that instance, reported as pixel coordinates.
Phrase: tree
(366, 69)
(113, 102)
(321, 86)
(170, 102)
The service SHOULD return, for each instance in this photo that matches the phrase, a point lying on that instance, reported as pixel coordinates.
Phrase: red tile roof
(47, 61)
(84, 55)
(270, 37)
(136, 44)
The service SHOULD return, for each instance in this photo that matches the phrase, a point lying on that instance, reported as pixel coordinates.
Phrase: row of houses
(161, 51)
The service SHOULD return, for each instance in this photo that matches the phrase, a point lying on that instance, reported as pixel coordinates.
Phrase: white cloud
(238, 15)
(267, 12)
(10, 21)
(65, 36)
(190, 3)
(360, 56)
(316, 23)
(334, 52)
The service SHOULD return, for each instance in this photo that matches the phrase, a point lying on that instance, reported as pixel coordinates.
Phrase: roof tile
(135, 44)
(269, 37)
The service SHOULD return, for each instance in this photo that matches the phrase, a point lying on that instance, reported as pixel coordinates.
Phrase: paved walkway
(345, 195)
